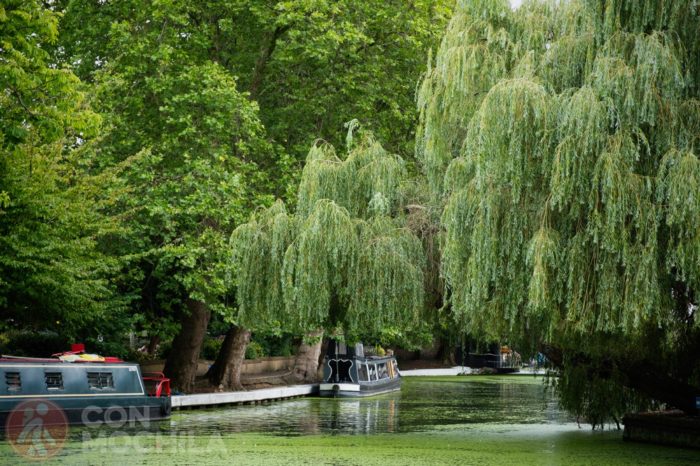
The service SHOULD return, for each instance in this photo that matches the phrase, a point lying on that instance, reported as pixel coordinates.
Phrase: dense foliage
(557, 209)
(311, 65)
(563, 139)
(330, 265)
(136, 135)
(52, 273)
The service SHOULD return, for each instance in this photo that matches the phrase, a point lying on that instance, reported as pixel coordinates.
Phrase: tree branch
(266, 51)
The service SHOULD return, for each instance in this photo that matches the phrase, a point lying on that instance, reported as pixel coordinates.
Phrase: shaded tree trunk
(307, 359)
(446, 352)
(181, 365)
(226, 370)
(325, 341)
(153, 344)
(266, 50)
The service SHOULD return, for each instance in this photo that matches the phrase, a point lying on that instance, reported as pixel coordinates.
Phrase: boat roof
(4, 358)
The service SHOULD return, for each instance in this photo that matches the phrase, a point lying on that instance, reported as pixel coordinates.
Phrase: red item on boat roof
(77, 347)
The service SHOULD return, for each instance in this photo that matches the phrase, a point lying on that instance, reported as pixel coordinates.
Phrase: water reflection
(422, 405)
(296, 417)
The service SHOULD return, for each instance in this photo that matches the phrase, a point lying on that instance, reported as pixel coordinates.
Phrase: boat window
(396, 367)
(54, 380)
(372, 372)
(100, 380)
(362, 372)
(13, 381)
(381, 371)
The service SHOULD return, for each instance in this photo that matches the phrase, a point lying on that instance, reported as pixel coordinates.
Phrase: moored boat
(89, 389)
(348, 372)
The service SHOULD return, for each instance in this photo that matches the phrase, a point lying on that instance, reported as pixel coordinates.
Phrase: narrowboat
(501, 359)
(89, 389)
(348, 372)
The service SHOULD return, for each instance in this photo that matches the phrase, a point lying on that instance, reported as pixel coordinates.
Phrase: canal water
(432, 420)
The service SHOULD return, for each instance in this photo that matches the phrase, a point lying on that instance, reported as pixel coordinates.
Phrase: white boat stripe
(69, 395)
(66, 365)
(348, 387)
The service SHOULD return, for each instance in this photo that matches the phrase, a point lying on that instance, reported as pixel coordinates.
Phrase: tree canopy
(562, 139)
(53, 274)
(311, 65)
(137, 135)
(143, 145)
(330, 265)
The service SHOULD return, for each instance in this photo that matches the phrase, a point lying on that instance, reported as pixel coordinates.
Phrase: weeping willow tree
(563, 140)
(353, 264)
(345, 262)
(257, 268)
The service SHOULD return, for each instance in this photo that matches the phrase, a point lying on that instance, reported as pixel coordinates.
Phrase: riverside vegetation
(174, 169)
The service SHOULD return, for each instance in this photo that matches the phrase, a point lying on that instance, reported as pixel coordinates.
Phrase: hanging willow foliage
(571, 187)
(387, 283)
(345, 260)
(258, 249)
(474, 54)
(506, 149)
(317, 264)
(563, 139)
(368, 181)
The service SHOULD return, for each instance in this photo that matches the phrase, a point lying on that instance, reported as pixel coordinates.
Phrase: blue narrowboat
(348, 372)
(90, 390)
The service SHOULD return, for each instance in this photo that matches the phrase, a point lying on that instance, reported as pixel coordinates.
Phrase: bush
(254, 350)
(34, 344)
(211, 348)
(164, 349)
(275, 345)
(282, 345)
(116, 347)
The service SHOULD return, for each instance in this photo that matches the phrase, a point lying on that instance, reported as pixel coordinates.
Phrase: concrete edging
(213, 399)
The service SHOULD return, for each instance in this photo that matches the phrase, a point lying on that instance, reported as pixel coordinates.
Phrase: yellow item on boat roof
(92, 357)
(81, 357)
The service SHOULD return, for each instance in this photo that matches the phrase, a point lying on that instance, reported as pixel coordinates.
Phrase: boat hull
(91, 412)
(354, 390)
(78, 393)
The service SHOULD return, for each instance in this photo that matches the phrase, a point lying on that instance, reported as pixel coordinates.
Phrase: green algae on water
(485, 420)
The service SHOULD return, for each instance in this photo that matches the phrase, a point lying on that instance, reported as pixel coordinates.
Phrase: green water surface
(506, 420)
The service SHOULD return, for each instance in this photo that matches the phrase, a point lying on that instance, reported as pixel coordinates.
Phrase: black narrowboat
(347, 372)
(502, 360)
(89, 389)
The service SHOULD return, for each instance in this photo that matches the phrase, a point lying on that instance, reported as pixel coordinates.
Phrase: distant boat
(347, 372)
(506, 361)
(89, 389)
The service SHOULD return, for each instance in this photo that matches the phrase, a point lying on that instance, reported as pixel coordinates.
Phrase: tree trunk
(226, 371)
(266, 50)
(307, 359)
(153, 344)
(181, 365)
(446, 352)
